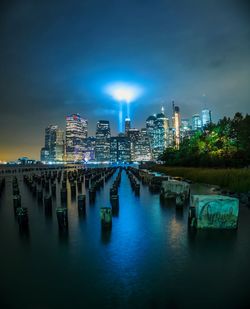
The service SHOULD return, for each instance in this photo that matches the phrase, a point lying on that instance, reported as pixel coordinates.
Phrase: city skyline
(194, 53)
(185, 127)
(74, 144)
(124, 154)
(68, 142)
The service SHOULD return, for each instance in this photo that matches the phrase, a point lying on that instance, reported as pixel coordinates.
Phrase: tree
(226, 144)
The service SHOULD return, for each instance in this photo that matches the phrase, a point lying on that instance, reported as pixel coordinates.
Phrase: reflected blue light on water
(148, 260)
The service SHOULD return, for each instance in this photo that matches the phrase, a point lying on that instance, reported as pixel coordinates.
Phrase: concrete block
(214, 211)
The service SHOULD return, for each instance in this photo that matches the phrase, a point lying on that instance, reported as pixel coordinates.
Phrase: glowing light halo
(124, 92)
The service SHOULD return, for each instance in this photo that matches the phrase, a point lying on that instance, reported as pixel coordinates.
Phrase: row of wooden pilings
(20, 212)
(97, 182)
(133, 177)
(2, 185)
(113, 193)
(44, 187)
(108, 212)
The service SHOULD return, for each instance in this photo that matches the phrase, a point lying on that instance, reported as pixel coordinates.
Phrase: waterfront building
(76, 132)
(185, 128)
(196, 122)
(120, 149)
(114, 149)
(150, 127)
(44, 155)
(161, 138)
(127, 125)
(141, 147)
(133, 135)
(159, 133)
(102, 148)
(59, 145)
(53, 149)
(176, 125)
(89, 148)
(25, 161)
(206, 118)
(123, 149)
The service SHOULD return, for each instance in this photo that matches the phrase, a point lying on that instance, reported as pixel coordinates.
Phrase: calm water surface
(148, 260)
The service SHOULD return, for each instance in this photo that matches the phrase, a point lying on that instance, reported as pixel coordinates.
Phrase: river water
(149, 259)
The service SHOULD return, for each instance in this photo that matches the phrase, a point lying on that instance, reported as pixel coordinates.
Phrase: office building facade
(76, 132)
(206, 117)
(196, 122)
(102, 147)
(53, 149)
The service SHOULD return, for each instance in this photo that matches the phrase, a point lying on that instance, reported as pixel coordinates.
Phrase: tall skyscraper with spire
(176, 122)
(157, 128)
(127, 125)
(150, 128)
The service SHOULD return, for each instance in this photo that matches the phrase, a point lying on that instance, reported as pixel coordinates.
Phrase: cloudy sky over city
(56, 58)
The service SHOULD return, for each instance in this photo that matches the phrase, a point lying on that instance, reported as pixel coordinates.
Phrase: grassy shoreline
(236, 180)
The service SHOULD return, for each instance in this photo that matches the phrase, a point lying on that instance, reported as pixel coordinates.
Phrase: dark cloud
(56, 56)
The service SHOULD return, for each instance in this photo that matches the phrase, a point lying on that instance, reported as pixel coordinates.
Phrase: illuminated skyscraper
(161, 130)
(150, 127)
(133, 135)
(53, 149)
(176, 125)
(114, 148)
(185, 129)
(196, 122)
(142, 150)
(44, 155)
(120, 149)
(205, 117)
(159, 133)
(127, 125)
(123, 149)
(89, 148)
(59, 146)
(102, 148)
(76, 131)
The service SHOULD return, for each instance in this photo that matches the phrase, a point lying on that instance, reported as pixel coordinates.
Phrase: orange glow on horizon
(13, 153)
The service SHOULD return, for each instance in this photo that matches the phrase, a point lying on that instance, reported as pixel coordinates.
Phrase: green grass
(237, 180)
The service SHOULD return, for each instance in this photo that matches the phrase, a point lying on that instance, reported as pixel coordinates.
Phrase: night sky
(57, 56)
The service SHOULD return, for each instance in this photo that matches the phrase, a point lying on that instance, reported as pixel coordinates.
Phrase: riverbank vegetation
(225, 144)
(233, 179)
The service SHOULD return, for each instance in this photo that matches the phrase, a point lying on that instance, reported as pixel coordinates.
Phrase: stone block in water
(175, 189)
(214, 211)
